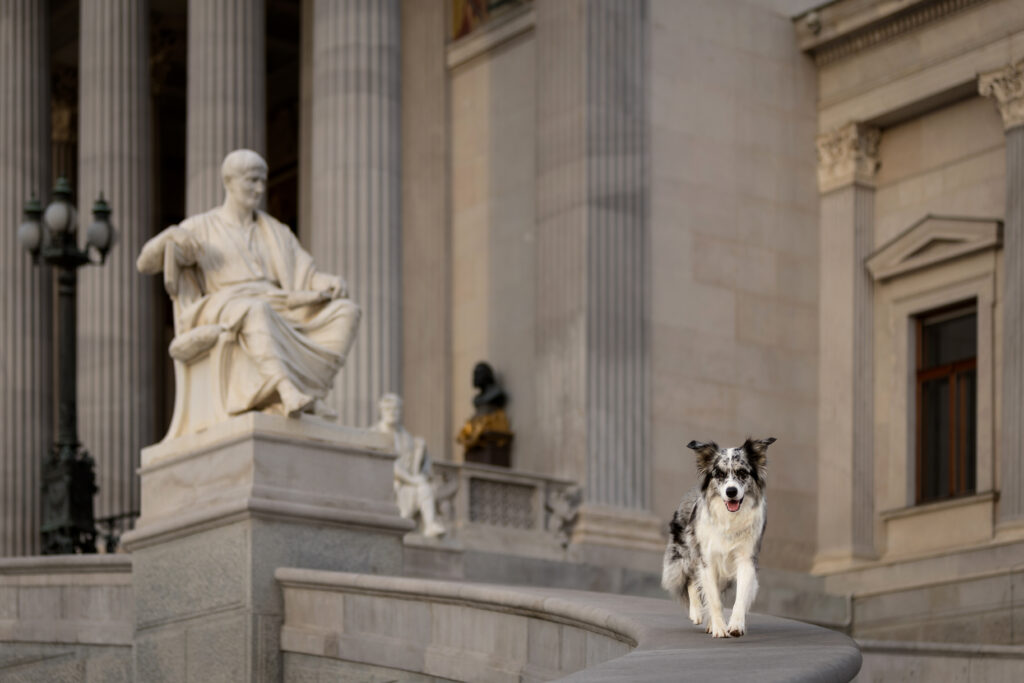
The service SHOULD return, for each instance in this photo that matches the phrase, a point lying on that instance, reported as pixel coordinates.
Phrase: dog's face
(734, 475)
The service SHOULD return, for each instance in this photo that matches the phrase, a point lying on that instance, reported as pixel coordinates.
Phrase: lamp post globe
(100, 234)
(30, 232)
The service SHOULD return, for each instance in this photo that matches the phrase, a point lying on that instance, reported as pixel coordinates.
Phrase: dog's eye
(741, 474)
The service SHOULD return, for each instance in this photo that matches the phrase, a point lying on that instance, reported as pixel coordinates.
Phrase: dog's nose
(731, 492)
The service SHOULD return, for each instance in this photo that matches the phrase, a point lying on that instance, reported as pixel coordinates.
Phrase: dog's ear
(757, 451)
(706, 453)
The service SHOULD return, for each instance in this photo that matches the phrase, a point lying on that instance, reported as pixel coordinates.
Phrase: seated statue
(414, 491)
(256, 326)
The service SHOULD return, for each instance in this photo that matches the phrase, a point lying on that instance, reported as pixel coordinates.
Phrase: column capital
(847, 155)
(1006, 86)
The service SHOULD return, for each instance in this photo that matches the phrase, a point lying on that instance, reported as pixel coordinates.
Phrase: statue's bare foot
(293, 400)
(322, 410)
(433, 530)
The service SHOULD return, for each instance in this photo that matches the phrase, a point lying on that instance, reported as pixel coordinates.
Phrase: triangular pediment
(934, 240)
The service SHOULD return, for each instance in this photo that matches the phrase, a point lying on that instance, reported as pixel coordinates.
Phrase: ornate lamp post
(69, 481)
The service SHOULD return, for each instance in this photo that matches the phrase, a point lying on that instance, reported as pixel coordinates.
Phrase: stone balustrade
(342, 626)
(494, 508)
(66, 618)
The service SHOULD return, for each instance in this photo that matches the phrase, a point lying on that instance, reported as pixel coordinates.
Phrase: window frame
(898, 303)
(958, 475)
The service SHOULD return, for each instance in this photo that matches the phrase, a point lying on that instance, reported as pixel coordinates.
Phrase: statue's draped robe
(246, 275)
(411, 462)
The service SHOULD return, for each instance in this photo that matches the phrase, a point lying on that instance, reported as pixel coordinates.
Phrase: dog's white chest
(725, 538)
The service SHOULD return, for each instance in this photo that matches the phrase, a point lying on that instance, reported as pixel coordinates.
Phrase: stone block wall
(734, 254)
(66, 619)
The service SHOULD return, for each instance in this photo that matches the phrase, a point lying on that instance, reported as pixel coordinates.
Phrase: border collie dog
(716, 534)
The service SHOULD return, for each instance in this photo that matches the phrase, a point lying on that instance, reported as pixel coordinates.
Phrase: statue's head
(483, 375)
(391, 410)
(244, 173)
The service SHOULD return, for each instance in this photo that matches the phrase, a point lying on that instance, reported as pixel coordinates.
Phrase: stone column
(227, 94)
(1006, 87)
(592, 346)
(847, 163)
(426, 226)
(356, 220)
(116, 322)
(26, 330)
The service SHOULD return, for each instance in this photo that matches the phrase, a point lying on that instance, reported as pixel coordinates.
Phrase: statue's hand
(336, 287)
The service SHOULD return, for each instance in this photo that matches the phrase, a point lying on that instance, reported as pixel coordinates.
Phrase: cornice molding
(1006, 87)
(847, 155)
(841, 29)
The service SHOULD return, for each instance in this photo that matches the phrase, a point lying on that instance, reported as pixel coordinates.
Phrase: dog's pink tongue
(732, 505)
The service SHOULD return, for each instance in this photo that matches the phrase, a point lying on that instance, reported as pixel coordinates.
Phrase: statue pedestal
(224, 508)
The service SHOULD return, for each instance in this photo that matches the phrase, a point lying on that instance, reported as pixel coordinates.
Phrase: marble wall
(928, 165)
(492, 235)
(734, 248)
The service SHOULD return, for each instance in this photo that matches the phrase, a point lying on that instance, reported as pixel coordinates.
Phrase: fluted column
(592, 156)
(227, 93)
(1006, 87)
(116, 323)
(26, 353)
(356, 209)
(847, 164)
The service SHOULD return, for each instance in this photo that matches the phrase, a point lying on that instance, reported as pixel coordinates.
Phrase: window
(947, 378)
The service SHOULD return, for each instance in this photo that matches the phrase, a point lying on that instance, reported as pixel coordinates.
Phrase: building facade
(659, 221)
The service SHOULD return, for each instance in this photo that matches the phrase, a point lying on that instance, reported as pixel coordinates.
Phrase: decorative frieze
(1006, 87)
(847, 155)
(831, 33)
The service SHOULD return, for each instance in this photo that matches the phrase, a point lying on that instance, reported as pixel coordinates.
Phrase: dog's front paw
(697, 619)
(716, 628)
(737, 629)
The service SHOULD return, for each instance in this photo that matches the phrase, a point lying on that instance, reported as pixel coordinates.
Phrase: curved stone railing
(339, 624)
(62, 616)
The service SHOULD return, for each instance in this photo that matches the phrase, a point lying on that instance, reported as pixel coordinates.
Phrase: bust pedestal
(223, 509)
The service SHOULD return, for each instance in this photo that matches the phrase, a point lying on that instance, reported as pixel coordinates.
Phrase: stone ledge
(943, 649)
(67, 564)
(305, 430)
(233, 511)
(66, 600)
(637, 639)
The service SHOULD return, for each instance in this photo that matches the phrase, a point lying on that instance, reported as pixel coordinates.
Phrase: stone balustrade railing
(341, 626)
(486, 506)
(66, 618)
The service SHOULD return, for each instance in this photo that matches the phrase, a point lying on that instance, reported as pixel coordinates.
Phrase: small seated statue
(414, 490)
(487, 436)
(256, 326)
